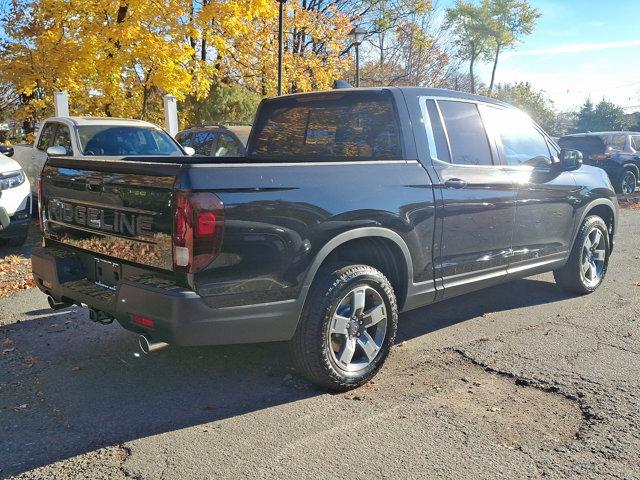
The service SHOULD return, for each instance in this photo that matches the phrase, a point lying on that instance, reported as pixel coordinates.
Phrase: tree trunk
(495, 65)
(145, 100)
(472, 78)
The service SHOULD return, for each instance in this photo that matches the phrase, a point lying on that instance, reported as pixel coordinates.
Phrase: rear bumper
(180, 315)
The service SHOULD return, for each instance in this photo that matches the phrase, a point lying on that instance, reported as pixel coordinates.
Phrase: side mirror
(570, 159)
(189, 151)
(6, 150)
(57, 151)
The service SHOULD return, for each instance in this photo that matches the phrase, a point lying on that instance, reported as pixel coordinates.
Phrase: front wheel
(589, 259)
(347, 327)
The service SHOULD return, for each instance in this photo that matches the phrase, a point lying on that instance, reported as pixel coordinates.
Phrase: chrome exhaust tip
(147, 345)
(56, 305)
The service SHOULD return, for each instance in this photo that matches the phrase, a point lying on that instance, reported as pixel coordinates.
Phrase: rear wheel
(347, 328)
(628, 182)
(589, 259)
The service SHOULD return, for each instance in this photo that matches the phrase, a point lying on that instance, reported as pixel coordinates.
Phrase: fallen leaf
(8, 346)
(30, 360)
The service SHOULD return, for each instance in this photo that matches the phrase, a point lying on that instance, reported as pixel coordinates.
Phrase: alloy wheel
(357, 330)
(628, 183)
(593, 257)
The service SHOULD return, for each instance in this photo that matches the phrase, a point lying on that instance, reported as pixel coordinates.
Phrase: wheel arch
(606, 210)
(631, 166)
(380, 246)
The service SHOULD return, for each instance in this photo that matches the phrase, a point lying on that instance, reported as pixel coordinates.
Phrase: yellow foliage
(119, 58)
(313, 39)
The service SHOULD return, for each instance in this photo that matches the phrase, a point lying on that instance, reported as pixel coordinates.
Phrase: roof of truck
(102, 121)
(600, 134)
(420, 91)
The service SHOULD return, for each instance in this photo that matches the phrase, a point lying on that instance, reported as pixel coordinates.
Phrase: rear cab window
(328, 127)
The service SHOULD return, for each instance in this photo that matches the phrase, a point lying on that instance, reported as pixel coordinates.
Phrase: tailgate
(119, 209)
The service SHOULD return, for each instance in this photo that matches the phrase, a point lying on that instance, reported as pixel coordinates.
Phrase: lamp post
(280, 33)
(357, 35)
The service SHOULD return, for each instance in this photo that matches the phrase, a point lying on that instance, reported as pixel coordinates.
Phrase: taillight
(40, 209)
(142, 321)
(600, 157)
(197, 230)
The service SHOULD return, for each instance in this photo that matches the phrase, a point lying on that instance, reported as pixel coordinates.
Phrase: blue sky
(580, 48)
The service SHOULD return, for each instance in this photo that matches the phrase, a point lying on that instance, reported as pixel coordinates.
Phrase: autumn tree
(534, 102)
(408, 48)
(314, 36)
(113, 59)
(470, 25)
(119, 58)
(509, 21)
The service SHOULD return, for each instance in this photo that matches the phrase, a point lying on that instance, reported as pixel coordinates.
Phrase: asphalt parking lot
(517, 381)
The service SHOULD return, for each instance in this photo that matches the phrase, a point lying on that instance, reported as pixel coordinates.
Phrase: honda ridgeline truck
(349, 207)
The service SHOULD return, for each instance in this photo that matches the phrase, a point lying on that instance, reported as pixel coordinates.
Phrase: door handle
(455, 183)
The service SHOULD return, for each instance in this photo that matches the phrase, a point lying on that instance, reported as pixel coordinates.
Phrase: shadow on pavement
(85, 388)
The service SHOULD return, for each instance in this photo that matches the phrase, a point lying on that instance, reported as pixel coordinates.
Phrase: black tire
(570, 277)
(310, 346)
(627, 178)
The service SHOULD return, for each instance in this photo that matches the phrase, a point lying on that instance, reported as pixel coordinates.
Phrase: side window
(46, 136)
(522, 143)
(227, 147)
(617, 142)
(439, 137)
(184, 139)
(467, 137)
(62, 138)
(203, 142)
(635, 142)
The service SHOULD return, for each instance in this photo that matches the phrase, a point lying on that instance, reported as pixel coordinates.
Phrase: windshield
(99, 140)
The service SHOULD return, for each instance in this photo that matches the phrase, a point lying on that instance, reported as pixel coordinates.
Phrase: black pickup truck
(349, 207)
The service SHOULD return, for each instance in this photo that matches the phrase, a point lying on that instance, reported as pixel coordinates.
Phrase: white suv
(15, 202)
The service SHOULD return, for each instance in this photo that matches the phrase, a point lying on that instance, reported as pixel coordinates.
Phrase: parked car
(82, 137)
(618, 153)
(15, 202)
(349, 207)
(217, 140)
